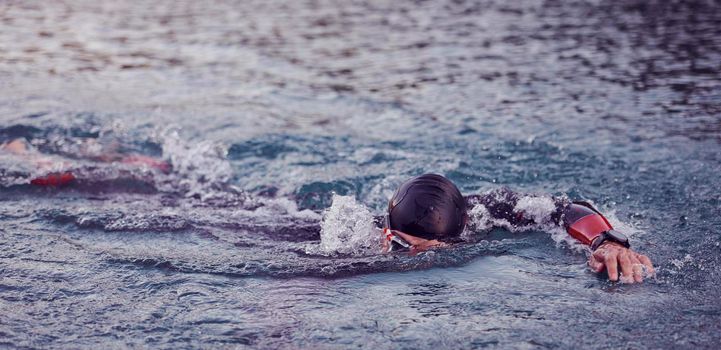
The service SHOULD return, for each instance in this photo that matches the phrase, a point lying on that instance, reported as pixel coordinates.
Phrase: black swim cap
(428, 206)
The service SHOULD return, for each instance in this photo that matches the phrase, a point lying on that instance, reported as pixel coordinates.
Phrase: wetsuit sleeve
(520, 212)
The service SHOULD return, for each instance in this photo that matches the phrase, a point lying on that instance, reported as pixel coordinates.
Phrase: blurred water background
(286, 121)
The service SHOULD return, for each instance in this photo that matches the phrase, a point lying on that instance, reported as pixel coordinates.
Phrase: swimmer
(55, 171)
(428, 211)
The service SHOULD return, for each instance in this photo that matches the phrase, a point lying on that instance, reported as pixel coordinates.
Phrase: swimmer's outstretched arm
(58, 172)
(101, 153)
(507, 209)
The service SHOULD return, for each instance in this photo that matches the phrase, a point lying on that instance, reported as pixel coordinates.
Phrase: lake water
(285, 119)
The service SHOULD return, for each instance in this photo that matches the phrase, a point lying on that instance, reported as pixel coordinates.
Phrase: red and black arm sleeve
(583, 222)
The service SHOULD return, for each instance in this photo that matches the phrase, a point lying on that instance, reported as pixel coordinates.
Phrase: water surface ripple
(280, 118)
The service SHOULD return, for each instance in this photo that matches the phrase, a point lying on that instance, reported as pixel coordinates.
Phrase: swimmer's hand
(610, 255)
(17, 146)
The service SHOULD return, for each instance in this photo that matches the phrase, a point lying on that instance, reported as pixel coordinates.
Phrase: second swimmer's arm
(17, 146)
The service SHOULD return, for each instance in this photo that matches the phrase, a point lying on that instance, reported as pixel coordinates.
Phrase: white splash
(539, 209)
(202, 168)
(681, 263)
(479, 219)
(347, 228)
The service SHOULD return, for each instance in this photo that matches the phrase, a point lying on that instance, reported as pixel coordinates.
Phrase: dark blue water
(289, 125)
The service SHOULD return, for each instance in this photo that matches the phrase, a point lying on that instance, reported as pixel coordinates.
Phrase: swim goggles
(400, 243)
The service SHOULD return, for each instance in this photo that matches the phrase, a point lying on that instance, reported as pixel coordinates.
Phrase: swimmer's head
(428, 206)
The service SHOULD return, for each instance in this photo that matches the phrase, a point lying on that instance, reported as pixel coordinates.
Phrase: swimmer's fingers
(613, 257)
(646, 262)
(595, 264)
(611, 266)
(624, 259)
(637, 267)
(610, 260)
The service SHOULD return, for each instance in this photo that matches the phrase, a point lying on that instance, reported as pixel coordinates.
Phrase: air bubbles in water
(347, 228)
(201, 169)
(537, 208)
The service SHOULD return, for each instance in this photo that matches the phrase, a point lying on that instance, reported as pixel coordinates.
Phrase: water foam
(200, 170)
(538, 208)
(347, 228)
